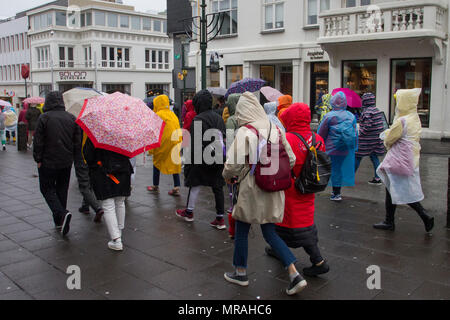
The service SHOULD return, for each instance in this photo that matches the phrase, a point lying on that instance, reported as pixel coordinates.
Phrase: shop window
(360, 76)
(228, 8)
(273, 14)
(314, 8)
(234, 73)
(156, 88)
(116, 87)
(267, 73)
(319, 82)
(410, 74)
(212, 78)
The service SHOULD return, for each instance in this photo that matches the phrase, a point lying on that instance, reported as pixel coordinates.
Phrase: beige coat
(254, 205)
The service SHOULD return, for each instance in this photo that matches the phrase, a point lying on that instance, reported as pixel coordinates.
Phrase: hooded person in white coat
(399, 171)
(255, 206)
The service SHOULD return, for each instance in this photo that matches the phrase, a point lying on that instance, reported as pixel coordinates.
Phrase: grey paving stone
(44, 281)
(14, 256)
(65, 294)
(27, 235)
(14, 228)
(431, 291)
(15, 295)
(27, 268)
(8, 245)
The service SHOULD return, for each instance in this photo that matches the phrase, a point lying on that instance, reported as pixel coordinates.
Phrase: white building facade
(14, 53)
(102, 45)
(306, 48)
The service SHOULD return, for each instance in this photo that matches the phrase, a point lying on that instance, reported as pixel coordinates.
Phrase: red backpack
(280, 180)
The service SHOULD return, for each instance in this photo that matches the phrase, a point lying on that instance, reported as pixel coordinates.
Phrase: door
(319, 84)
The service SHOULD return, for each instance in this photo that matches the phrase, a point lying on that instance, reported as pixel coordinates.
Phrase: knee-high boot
(389, 222)
(427, 220)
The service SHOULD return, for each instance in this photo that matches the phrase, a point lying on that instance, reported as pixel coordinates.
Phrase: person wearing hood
(190, 115)
(399, 170)
(10, 123)
(57, 140)
(253, 204)
(369, 142)
(166, 158)
(32, 114)
(298, 229)
(2, 129)
(200, 171)
(324, 106)
(271, 108)
(339, 131)
(284, 102)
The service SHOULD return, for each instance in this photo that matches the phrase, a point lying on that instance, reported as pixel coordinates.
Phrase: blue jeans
(157, 173)
(271, 237)
(375, 162)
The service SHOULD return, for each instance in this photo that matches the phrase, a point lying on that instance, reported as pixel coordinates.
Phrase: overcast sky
(21, 5)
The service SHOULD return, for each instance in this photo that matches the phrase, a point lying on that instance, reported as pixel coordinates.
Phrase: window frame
(273, 4)
(230, 12)
(231, 66)
(319, 11)
(159, 61)
(116, 63)
(357, 4)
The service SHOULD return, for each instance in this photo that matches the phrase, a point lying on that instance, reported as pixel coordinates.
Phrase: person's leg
(336, 176)
(47, 184)
(220, 201)
(3, 139)
(176, 180)
(156, 176)
(188, 213)
(357, 163)
(110, 216)
(240, 255)
(389, 223)
(376, 164)
(319, 265)
(427, 220)
(120, 212)
(62, 185)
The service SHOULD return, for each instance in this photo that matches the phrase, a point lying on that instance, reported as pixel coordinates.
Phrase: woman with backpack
(110, 175)
(255, 205)
(338, 129)
(399, 170)
(298, 228)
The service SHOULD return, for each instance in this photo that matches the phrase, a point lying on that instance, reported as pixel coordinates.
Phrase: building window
(228, 8)
(88, 57)
(314, 8)
(273, 14)
(355, 3)
(157, 25)
(43, 57)
(410, 74)
(112, 20)
(212, 78)
(157, 87)
(234, 73)
(157, 59)
(125, 22)
(147, 24)
(116, 87)
(86, 19)
(115, 56)
(100, 18)
(360, 76)
(61, 19)
(66, 59)
(135, 23)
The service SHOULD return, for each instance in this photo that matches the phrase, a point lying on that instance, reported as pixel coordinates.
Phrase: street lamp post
(205, 31)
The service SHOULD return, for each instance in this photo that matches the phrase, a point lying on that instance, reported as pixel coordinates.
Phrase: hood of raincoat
(297, 118)
(202, 101)
(368, 100)
(339, 102)
(189, 106)
(232, 102)
(54, 101)
(407, 101)
(249, 110)
(160, 103)
(270, 108)
(284, 102)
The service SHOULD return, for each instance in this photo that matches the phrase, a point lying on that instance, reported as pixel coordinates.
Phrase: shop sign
(315, 55)
(72, 75)
(10, 93)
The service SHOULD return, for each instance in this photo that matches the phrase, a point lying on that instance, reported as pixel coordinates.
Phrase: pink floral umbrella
(122, 124)
(34, 100)
(270, 93)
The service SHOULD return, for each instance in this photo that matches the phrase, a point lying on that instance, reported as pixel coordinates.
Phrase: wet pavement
(167, 258)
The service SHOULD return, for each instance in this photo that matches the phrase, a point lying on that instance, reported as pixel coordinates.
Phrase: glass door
(319, 84)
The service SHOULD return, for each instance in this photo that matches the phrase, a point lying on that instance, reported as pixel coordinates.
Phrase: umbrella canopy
(353, 99)
(217, 91)
(34, 100)
(4, 103)
(247, 84)
(74, 99)
(122, 124)
(271, 94)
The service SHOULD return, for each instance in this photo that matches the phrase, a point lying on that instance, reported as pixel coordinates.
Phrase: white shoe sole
(240, 283)
(184, 218)
(298, 288)
(66, 222)
(115, 248)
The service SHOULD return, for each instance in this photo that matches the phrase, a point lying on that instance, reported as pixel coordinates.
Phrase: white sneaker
(115, 245)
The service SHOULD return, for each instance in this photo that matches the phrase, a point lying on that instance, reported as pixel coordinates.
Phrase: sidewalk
(167, 258)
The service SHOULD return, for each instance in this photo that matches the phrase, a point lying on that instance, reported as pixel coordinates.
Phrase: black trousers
(54, 185)
(390, 208)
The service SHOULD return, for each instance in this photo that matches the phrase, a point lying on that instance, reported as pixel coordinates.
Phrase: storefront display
(360, 76)
(410, 74)
(234, 73)
(319, 82)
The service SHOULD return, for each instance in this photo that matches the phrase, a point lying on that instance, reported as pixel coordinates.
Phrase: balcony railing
(387, 20)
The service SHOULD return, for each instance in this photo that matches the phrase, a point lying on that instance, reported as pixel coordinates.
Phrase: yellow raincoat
(167, 158)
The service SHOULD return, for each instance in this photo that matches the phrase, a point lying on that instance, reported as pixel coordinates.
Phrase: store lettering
(76, 75)
(316, 55)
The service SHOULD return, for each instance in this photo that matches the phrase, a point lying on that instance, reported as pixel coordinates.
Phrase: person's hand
(39, 165)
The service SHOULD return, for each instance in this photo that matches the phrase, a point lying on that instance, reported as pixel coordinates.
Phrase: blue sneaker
(336, 197)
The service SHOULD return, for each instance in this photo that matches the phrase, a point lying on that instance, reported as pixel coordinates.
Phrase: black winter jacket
(57, 136)
(204, 174)
(112, 163)
(32, 116)
(298, 237)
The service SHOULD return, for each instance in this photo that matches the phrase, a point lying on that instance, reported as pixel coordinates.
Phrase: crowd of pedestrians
(243, 129)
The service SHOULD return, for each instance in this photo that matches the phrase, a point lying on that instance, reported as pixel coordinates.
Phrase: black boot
(385, 226)
(427, 220)
(388, 223)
